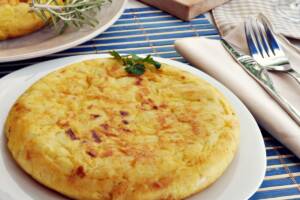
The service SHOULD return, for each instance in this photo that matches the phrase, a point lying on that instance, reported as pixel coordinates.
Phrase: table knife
(260, 74)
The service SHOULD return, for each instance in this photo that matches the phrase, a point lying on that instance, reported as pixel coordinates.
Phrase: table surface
(146, 30)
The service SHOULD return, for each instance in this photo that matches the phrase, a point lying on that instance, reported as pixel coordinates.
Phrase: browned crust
(80, 181)
(17, 20)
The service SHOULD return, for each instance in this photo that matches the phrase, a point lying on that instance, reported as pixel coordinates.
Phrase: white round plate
(239, 182)
(47, 41)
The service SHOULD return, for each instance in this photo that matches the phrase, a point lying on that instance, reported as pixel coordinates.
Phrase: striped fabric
(150, 31)
(234, 12)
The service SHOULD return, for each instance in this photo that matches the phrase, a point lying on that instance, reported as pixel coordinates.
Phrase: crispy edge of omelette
(82, 185)
(17, 20)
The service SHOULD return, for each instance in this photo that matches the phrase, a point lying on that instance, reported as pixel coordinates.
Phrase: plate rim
(68, 45)
(182, 66)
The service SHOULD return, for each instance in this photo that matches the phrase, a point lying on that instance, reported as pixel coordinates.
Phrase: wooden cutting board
(185, 9)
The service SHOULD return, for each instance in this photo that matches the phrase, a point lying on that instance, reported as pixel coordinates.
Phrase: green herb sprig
(134, 64)
(70, 12)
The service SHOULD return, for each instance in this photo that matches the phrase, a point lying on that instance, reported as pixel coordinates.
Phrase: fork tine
(263, 37)
(254, 39)
(260, 42)
(270, 37)
(254, 32)
(250, 39)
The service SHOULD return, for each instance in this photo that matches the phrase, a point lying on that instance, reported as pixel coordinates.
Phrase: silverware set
(266, 55)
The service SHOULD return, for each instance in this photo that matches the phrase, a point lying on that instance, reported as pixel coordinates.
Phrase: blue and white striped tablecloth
(151, 31)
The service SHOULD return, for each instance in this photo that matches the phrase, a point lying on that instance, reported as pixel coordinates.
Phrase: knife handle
(291, 110)
(295, 75)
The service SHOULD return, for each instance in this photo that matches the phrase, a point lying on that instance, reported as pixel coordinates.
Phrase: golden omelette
(16, 19)
(91, 131)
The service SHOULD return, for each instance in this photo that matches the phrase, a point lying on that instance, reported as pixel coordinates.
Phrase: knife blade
(260, 74)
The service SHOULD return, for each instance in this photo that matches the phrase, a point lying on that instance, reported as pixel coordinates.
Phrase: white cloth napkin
(236, 11)
(210, 56)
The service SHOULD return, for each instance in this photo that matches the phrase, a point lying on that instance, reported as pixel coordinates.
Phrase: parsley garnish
(134, 64)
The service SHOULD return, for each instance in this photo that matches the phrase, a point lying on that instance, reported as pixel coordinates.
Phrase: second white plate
(46, 41)
(239, 182)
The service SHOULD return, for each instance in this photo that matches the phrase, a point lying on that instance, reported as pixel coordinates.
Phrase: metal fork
(265, 49)
(260, 48)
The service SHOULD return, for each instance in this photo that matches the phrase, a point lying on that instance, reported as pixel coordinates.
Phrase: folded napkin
(210, 56)
(234, 12)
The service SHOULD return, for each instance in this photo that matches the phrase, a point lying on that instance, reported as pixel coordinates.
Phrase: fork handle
(295, 75)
